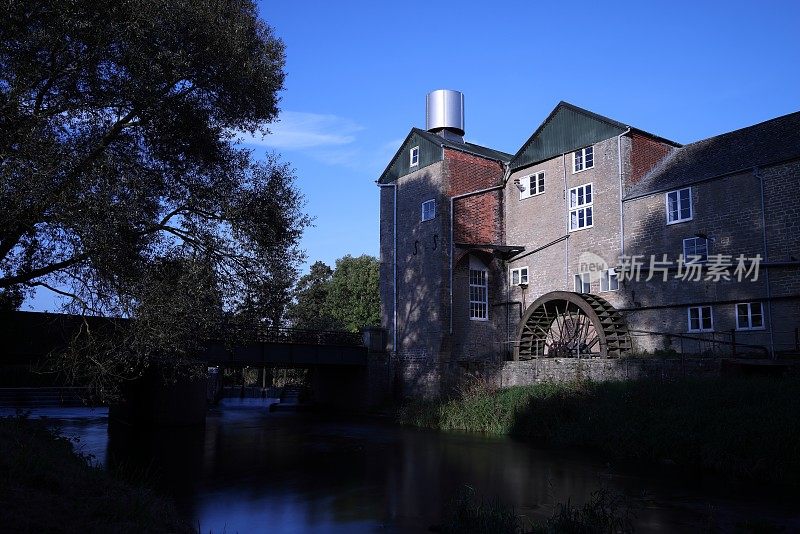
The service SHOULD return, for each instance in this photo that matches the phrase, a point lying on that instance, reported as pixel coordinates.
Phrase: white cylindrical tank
(444, 109)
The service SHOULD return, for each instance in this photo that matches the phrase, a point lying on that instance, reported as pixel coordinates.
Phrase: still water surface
(253, 471)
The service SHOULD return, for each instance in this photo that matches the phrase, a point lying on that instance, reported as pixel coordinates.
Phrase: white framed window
(519, 276)
(413, 157)
(583, 283)
(478, 294)
(533, 184)
(582, 159)
(695, 250)
(749, 316)
(679, 205)
(429, 210)
(580, 207)
(701, 319)
(609, 281)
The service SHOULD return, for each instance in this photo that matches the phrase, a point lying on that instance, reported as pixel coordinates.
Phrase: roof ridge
(731, 132)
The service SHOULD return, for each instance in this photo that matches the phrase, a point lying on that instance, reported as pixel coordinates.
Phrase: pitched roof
(568, 128)
(766, 143)
(472, 148)
(391, 173)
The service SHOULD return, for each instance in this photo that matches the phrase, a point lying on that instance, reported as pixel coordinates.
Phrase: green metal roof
(430, 151)
(568, 128)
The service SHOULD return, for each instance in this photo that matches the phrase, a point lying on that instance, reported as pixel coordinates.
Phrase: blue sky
(358, 73)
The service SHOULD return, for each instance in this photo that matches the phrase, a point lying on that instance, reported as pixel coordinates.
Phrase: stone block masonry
(600, 370)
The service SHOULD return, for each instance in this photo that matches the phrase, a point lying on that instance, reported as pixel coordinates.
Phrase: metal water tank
(444, 110)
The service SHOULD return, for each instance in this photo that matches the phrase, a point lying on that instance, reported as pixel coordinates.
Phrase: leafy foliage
(346, 298)
(310, 293)
(354, 298)
(121, 180)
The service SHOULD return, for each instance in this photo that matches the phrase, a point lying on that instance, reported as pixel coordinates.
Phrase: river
(250, 470)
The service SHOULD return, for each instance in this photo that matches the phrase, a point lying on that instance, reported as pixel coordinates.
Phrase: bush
(746, 427)
(46, 487)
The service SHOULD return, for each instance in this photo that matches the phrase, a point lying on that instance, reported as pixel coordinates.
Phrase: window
(701, 319)
(749, 316)
(519, 276)
(478, 294)
(428, 210)
(580, 207)
(413, 157)
(695, 250)
(533, 184)
(583, 159)
(679, 205)
(582, 283)
(609, 281)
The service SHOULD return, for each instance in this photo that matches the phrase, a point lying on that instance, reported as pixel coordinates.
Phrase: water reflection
(252, 471)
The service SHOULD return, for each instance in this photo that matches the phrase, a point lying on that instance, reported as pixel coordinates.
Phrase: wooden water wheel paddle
(562, 324)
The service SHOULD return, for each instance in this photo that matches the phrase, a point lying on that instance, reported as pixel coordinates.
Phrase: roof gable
(430, 151)
(567, 128)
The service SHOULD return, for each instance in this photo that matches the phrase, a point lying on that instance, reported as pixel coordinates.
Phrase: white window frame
(749, 325)
(413, 156)
(585, 281)
(531, 183)
(688, 258)
(700, 318)
(677, 193)
(429, 214)
(522, 276)
(478, 294)
(581, 208)
(606, 278)
(581, 153)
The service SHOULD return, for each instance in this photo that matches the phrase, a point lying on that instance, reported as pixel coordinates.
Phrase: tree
(353, 299)
(308, 310)
(122, 185)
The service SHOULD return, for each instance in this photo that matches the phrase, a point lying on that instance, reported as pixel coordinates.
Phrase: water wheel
(561, 324)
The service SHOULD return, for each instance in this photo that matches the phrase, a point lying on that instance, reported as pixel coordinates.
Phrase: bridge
(344, 372)
(28, 337)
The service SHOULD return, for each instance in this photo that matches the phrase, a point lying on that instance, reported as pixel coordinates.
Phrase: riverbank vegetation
(742, 427)
(45, 486)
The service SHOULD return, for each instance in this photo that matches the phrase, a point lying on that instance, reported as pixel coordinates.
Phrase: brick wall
(469, 173)
(645, 153)
(477, 219)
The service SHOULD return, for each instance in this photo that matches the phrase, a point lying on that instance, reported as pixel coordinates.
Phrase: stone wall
(600, 370)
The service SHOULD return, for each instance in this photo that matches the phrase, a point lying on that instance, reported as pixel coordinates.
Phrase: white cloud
(298, 130)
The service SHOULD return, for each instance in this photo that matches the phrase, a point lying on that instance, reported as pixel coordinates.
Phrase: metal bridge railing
(311, 337)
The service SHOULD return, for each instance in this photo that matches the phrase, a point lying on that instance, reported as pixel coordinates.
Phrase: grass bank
(748, 427)
(46, 487)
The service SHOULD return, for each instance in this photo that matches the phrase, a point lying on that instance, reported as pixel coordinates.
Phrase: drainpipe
(506, 174)
(621, 205)
(757, 173)
(394, 263)
(566, 218)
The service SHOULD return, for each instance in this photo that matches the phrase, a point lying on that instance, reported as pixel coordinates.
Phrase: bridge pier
(156, 399)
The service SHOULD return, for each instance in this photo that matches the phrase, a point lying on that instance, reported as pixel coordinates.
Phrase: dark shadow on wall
(422, 286)
(431, 361)
(655, 309)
